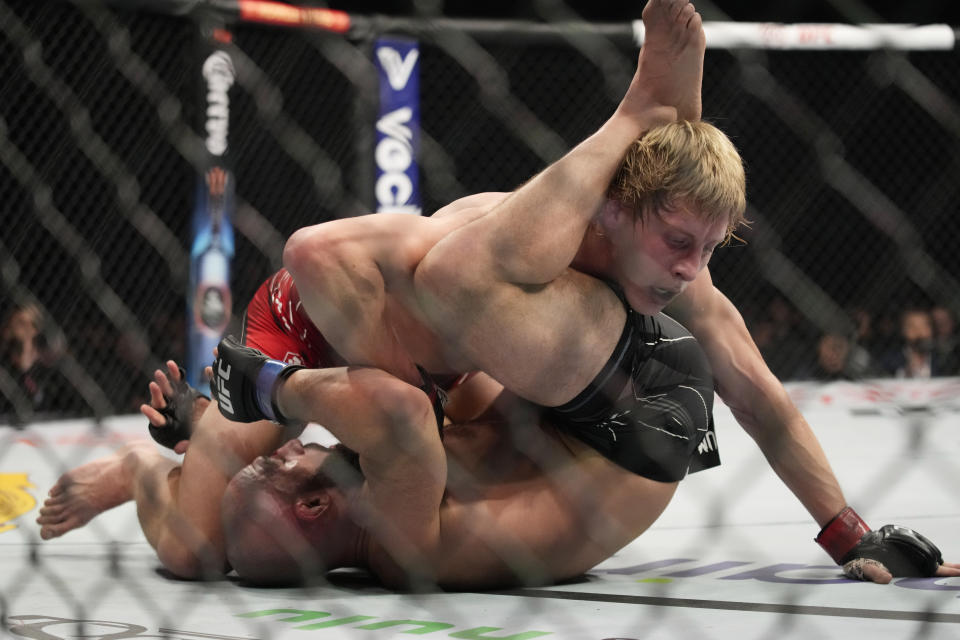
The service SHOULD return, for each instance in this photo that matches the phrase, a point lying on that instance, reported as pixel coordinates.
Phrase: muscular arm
(757, 399)
(531, 238)
(353, 276)
(510, 243)
(501, 288)
(391, 426)
(182, 520)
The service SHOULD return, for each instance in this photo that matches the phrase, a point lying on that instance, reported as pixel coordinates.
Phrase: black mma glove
(438, 397)
(245, 383)
(178, 412)
(902, 551)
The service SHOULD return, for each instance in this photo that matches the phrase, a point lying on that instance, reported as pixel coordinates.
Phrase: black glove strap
(285, 373)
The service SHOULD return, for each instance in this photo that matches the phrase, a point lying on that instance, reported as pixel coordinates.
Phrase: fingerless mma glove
(245, 383)
(903, 551)
(178, 412)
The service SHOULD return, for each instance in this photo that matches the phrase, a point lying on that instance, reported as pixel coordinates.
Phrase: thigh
(275, 324)
(652, 411)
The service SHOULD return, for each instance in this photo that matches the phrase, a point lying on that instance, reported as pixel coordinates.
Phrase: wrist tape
(842, 534)
(271, 374)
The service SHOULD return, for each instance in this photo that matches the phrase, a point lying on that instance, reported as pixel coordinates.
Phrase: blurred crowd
(102, 371)
(914, 341)
(95, 371)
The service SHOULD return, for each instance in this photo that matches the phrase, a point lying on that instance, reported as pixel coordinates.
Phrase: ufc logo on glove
(220, 392)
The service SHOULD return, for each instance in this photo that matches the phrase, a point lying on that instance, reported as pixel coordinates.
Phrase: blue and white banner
(209, 299)
(397, 186)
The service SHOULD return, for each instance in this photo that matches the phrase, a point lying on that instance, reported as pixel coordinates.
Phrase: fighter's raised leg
(354, 278)
(670, 65)
(501, 288)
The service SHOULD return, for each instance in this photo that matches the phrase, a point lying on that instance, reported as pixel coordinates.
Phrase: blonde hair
(685, 161)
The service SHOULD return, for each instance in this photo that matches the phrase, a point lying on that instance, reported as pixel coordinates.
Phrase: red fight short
(277, 324)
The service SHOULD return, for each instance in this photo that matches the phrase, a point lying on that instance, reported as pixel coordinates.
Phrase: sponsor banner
(878, 396)
(822, 36)
(209, 298)
(675, 570)
(397, 187)
(15, 499)
(327, 624)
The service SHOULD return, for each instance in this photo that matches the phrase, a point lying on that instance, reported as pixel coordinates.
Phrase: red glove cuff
(842, 534)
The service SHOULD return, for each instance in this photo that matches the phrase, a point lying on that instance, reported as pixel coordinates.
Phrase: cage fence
(851, 160)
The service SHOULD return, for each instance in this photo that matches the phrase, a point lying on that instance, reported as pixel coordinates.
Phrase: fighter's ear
(612, 214)
(312, 505)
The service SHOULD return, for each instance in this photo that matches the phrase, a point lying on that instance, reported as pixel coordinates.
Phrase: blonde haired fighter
(517, 286)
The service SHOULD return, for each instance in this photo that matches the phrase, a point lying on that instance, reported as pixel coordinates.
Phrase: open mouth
(665, 295)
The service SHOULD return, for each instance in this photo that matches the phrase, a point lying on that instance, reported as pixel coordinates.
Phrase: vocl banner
(397, 188)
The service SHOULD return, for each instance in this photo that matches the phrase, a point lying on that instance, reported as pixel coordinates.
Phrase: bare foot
(670, 66)
(89, 490)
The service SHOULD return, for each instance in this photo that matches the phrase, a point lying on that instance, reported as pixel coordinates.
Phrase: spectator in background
(865, 331)
(785, 341)
(833, 351)
(29, 381)
(945, 339)
(20, 348)
(885, 339)
(840, 358)
(916, 356)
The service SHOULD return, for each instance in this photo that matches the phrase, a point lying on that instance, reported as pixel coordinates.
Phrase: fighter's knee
(179, 561)
(188, 563)
(307, 248)
(298, 248)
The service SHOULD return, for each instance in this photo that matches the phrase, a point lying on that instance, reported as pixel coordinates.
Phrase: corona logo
(14, 499)
(219, 74)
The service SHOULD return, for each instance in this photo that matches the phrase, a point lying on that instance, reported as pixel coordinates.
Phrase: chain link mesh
(850, 156)
(851, 160)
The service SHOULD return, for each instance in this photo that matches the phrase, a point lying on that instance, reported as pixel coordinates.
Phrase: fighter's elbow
(297, 251)
(200, 563)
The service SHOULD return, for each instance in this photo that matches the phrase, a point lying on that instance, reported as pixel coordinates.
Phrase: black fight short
(650, 410)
